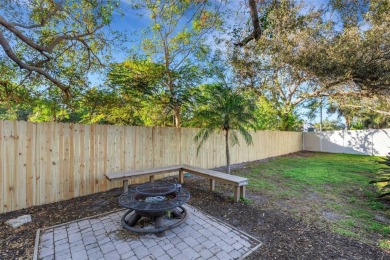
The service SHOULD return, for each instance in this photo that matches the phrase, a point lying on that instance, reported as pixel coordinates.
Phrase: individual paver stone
(122, 248)
(74, 237)
(113, 255)
(238, 246)
(47, 237)
(183, 235)
(92, 250)
(167, 246)
(45, 251)
(62, 247)
(156, 251)
(50, 257)
(173, 252)
(205, 254)
(129, 255)
(195, 234)
(214, 250)
(136, 245)
(141, 252)
(95, 255)
(181, 246)
(163, 257)
(61, 235)
(192, 242)
(80, 255)
(223, 256)
(89, 240)
(107, 247)
(190, 253)
(77, 248)
(208, 244)
(205, 233)
(103, 241)
(235, 254)
(148, 243)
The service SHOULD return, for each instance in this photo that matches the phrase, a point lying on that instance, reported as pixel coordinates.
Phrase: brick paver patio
(103, 237)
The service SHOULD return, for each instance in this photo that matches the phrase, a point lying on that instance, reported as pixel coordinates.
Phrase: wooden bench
(238, 183)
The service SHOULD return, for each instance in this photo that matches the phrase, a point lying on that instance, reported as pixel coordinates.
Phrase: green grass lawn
(330, 189)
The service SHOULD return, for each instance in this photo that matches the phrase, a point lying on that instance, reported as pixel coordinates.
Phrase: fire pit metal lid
(155, 189)
(132, 199)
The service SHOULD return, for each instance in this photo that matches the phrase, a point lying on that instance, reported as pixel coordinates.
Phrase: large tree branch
(255, 20)
(44, 20)
(321, 92)
(77, 37)
(21, 36)
(42, 49)
(256, 34)
(386, 113)
(11, 54)
(374, 85)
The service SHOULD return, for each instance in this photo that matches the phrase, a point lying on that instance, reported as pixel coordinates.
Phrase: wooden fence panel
(2, 172)
(48, 162)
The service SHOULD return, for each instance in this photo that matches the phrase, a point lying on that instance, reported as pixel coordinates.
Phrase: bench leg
(151, 178)
(181, 176)
(125, 186)
(242, 191)
(236, 193)
(212, 184)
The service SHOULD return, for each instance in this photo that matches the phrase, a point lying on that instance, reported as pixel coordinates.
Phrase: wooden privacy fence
(47, 162)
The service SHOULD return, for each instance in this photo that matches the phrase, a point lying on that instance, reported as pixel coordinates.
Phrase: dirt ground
(284, 236)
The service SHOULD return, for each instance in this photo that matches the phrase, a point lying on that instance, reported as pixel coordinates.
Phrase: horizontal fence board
(48, 162)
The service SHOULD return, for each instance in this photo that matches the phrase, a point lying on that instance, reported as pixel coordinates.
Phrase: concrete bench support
(212, 184)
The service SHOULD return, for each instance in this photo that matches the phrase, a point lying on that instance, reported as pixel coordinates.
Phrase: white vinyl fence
(365, 142)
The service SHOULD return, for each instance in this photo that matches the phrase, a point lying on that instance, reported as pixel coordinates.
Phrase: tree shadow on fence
(364, 142)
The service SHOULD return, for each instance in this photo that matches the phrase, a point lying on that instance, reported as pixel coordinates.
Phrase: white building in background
(308, 127)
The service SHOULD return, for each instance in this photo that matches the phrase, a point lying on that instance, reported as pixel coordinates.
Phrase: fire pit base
(129, 223)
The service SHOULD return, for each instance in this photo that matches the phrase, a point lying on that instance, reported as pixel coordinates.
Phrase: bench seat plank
(219, 176)
(142, 173)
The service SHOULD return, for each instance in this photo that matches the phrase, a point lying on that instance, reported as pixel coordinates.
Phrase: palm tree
(223, 110)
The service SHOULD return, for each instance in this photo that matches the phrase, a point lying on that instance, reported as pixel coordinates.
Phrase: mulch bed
(284, 236)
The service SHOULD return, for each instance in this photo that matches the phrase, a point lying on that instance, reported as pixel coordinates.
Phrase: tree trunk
(347, 122)
(177, 117)
(170, 84)
(256, 34)
(227, 151)
(255, 19)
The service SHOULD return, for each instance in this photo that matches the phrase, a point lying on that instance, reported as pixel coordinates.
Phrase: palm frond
(384, 177)
(247, 136)
(233, 138)
(384, 194)
(380, 180)
(202, 136)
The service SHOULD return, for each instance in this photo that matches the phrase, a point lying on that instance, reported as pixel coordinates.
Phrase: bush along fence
(47, 162)
(383, 178)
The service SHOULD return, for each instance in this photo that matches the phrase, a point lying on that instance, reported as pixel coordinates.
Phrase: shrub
(383, 179)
